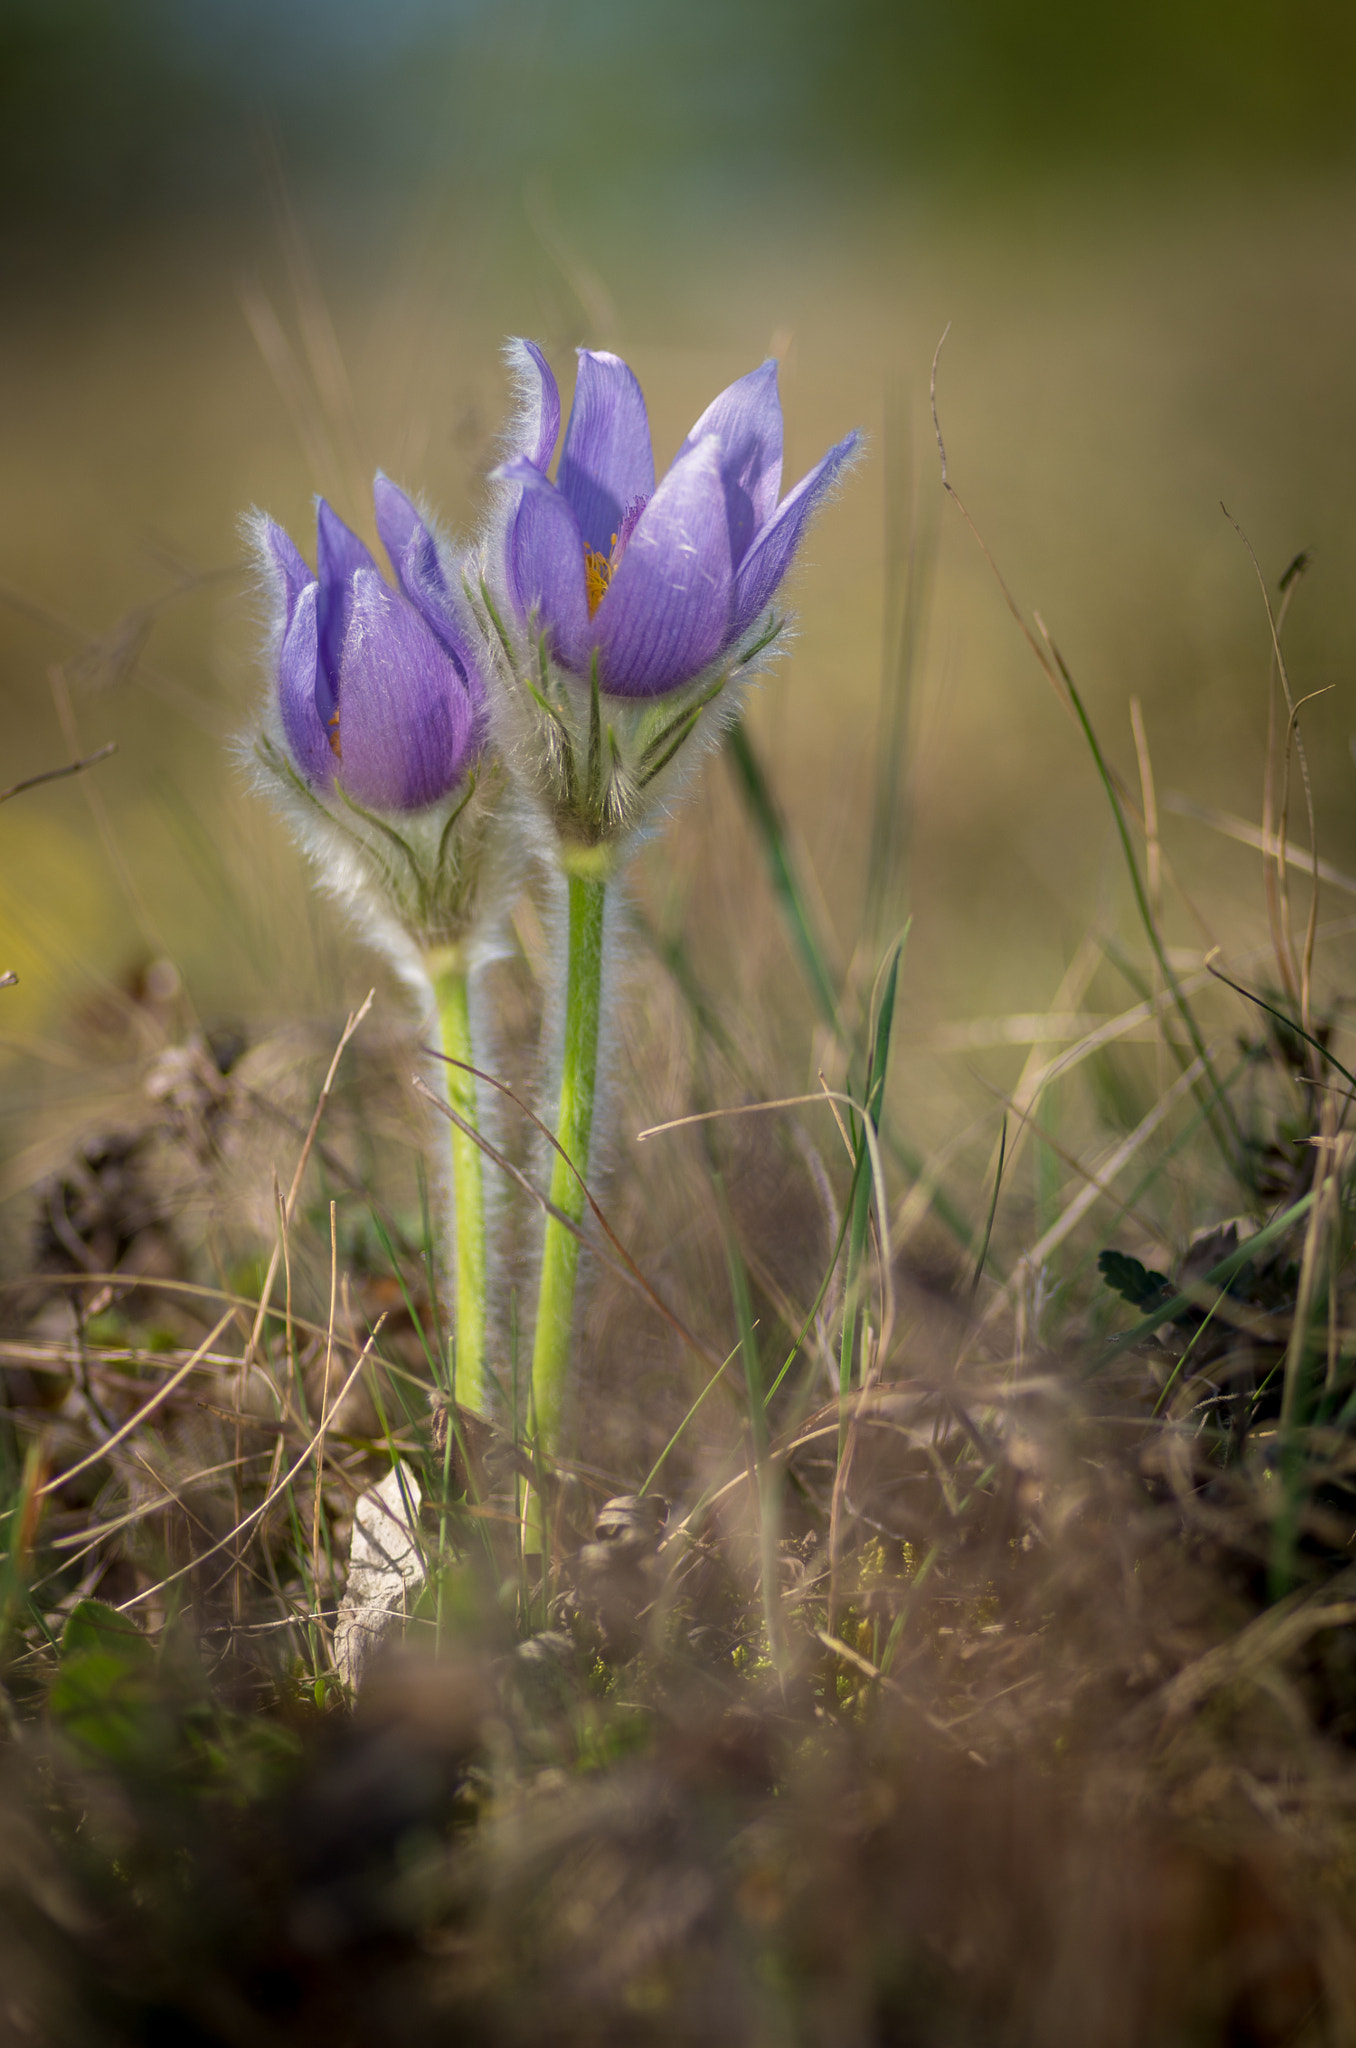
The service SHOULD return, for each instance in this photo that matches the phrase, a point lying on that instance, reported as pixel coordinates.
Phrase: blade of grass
(910, 566)
(678, 1433)
(861, 1204)
(766, 1475)
(1235, 1158)
(432, 1354)
(767, 819)
(982, 1260)
(672, 952)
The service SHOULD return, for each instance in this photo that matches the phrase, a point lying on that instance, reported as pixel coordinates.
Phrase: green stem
(452, 994)
(574, 1129)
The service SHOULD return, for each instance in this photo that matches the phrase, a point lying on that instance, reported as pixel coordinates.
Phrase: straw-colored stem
(569, 1170)
(451, 993)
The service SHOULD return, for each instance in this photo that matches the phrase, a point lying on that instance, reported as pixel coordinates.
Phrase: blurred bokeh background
(255, 248)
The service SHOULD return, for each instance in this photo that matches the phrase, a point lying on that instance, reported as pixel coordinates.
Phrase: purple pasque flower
(379, 690)
(657, 582)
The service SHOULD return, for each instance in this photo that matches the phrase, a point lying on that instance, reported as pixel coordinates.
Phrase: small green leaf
(1140, 1285)
(93, 1625)
(106, 1697)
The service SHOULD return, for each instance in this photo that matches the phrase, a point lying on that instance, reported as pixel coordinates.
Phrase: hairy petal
(607, 462)
(747, 420)
(667, 611)
(536, 427)
(283, 561)
(770, 556)
(401, 527)
(298, 660)
(414, 557)
(339, 556)
(544, 563)
(407, 726)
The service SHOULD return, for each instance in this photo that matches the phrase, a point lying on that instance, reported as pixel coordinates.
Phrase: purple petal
(407, 725)
(414, 557)
(769, 558)
(303, 728)
(536, 429)
(282, 559)
(747, 420)
(607, 462)
(339, 556)
(399, 523)
(667, 610)
(544, 561)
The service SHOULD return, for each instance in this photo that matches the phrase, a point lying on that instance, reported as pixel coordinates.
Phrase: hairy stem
(574, 1129)
(452, 995)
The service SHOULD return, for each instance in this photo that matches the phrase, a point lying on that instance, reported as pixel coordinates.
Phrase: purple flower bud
(657, 583)
(379, 690)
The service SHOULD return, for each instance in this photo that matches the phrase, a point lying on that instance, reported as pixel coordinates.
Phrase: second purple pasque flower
(379, 691)
(653, 582)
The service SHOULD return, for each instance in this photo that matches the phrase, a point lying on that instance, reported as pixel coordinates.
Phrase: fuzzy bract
(652, 583)
(379, 692)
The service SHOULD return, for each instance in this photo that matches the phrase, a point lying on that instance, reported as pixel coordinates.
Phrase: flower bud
(375, 737)
(378, 691)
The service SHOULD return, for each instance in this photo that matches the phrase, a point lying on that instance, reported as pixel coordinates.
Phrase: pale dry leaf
(385, 1570)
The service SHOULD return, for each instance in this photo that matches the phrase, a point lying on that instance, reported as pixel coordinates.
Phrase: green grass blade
(766, 1473)
(767, 821)
(1235, 1158)
(861, 1201)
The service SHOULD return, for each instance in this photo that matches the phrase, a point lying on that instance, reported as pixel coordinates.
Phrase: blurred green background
(255, 248)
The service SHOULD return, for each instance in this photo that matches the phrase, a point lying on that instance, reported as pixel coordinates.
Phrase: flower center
(598, 574)
(599, 569)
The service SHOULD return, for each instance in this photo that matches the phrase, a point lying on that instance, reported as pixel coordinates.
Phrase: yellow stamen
(598, 573)
(332, 730)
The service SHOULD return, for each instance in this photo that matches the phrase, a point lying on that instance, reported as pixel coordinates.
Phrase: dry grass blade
(1286, 951)
(266, 1293)
(1261, 839)
(1311, 923)
(1035, 1073)
(1273, 1636)
(833, 1098)
(1098, 1186)
(135, 1422)
(1095, 1182)
(325, 1383)
(276, 1486)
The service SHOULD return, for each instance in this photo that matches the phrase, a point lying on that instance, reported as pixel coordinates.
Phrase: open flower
(379, 691)
(654, 583)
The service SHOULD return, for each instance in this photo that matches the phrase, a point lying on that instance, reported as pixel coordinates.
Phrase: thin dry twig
(56, 774)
